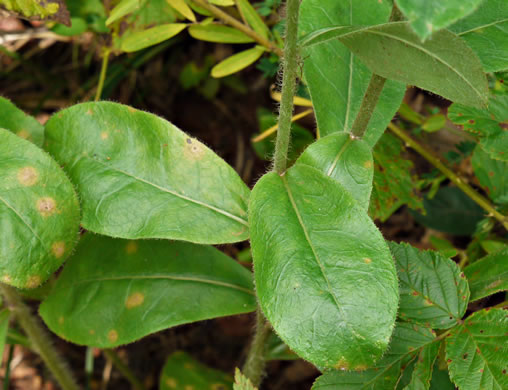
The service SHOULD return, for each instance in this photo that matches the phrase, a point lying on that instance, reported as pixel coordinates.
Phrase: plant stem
(289, 68)
(255, 364)
(461, 183)
(368, 106)
(102, 77)
(225, 17)
(39, 338)
(123, 368)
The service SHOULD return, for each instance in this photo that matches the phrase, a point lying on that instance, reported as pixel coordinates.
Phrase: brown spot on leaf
(104, 135)
(367, 164)
(465, 356)
(46, 206)
(28, 176)
(367, 260)
(415, 293)
(61, 320)
(171, 383)
(33, 281)
(193, 150)
(134, 300)
(58, 249)
(112, 335)
(132, 247)
(342, 364)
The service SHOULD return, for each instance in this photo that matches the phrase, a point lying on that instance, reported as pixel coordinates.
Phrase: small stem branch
(368, 105)
(460, 183)
(226, 18)
(255, 364)
(39, 338)
(123, 368)
(289, 68)
(102, 77)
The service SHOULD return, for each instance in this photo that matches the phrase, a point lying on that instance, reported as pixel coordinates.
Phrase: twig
(102, 77)
(255, 364)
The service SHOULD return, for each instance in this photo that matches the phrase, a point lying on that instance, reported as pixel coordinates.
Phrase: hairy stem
(39, 338)
(460, 183)
(289, 68)
(255, 364)
(226, 18)
(102, 77)
(123, 368)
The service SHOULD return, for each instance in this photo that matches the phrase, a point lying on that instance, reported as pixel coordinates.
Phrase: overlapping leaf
(320, 262)
(477, 351)
(345, 159)
(237, 62)
(337, 91)
(114, 291)
(242, 382)
(423, 367)
(139, 176)
(39, 9)
(492, 174)
(433, 291)
(21, 124)
(218, 33)
(488, 275)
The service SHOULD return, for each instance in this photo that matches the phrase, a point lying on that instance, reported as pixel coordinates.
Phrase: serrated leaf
(486, 124)
(164, 283)
(337, 91)
(486, 32)
(345, 159)
(488, 275)
(181, 371)
(429, 16)
(444, 64)
(142, 39)
(21, 124)
(39, 9)
(406, 342)
(218, 33)
(441, 379)
(237, 62)
(492, 174)
(433, 291)
(319, 259)
(139, 176)
(393, 183)
(253, 18)
(39, 213)
(182, 7)
(242, 382)
(477, 351)
(422, 371)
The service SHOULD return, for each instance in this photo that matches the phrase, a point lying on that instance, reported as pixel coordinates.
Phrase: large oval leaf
(129, 289)
(320, 263)
(23, 125)
(337, 91)
(139, 176)
(492, 174)
(39, 213)
(345, 159)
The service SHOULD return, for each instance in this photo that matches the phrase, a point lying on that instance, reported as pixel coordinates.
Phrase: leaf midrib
(482, 26)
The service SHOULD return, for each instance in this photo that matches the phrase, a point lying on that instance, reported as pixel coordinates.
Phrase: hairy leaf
(407, 341)
(486, 32)
(276, 349)
(337, 91)
(39, 213)
(181, 371)
(21, 124)
(477, 351)
(320, 261)
(139, 176)
(492, 174)
(345, 159)
(488, 275)
(218, 33)
(129, 289)
(433, 291)
(242, 382)
(429, 16)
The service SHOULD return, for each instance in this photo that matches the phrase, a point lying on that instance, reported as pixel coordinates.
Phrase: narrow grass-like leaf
(433, 291)
(319, 262)
(488, 275)
(477, 351)
(141, 39)
(492, 174)
(345, 159)
(182, 7)
(253, 18)
(139, 176)
(21, 124)
(5, 315)
(129, 289)
(337, 91)
(218, 33)
(39, 213)
(123, 8)
(181, 371)
(237, 62)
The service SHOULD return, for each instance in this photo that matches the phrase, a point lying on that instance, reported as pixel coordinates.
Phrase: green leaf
(444, 246)
(242, 382)
(139, 176)
(488, 275)
(182, 7)
(39, 9)
(444, 65)
(129, 289)
(434, 123)
(141, 39)
(429, 16)
(477, 351)
(393, 183)
(345, 159)
(78, 26)
(237, 62)
(487, 124)
(218, 33)
(422, 371)
(319, 261)
(441, 379)
(276, 349)
(407, 341)
(486, 32)
(337, 91)
(123, 8)
(433, 291)
(253, 18)
(492, 174)
(21, 124)
(5, 315)
(39, 213)
(183, 372)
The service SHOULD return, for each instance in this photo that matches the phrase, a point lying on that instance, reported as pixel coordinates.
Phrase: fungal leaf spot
(28, 176)
(132, 247)
(193, 149)
(58, 249)
(171, 383)
(112, 335)
(342, 364)
(134, 300)
(46, 206)
(367, 260)
(33, 281)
